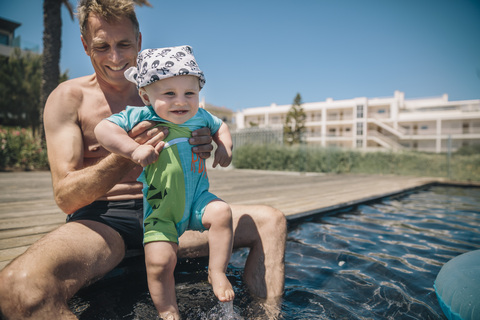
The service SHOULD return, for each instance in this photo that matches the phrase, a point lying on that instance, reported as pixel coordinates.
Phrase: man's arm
(74, 185)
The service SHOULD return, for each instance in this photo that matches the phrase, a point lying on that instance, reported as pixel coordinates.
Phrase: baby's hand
(223, 156)
(145, 155)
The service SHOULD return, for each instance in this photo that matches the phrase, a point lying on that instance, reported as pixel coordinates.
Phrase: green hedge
(331, 160)
(20, 150)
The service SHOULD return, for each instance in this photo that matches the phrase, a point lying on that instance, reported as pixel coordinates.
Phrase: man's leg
(38, 284)
(262, 229)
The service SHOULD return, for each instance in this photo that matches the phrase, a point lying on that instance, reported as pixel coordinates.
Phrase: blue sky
(258, 52)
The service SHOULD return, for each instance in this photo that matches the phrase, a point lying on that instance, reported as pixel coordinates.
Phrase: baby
(175, 182)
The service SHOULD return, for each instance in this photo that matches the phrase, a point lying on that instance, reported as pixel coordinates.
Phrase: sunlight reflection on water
(379, 260)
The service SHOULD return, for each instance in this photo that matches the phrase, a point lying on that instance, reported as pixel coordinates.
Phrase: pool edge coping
(356, 202)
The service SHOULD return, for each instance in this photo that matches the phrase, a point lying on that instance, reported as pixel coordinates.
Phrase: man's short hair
(110, 10)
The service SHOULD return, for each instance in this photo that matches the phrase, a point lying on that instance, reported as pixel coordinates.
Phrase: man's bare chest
(92, 111)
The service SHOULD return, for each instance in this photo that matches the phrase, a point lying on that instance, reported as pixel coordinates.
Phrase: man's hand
(223, 156)
(202, 140)
(146, 133)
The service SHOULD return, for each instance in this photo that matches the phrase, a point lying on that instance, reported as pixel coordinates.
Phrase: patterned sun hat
(162, 63)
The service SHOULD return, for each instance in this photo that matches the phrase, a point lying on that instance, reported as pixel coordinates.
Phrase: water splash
(223, 311)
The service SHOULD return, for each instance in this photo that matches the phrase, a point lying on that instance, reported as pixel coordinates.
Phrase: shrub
(20, 150)
(333, 160)
(468, 150)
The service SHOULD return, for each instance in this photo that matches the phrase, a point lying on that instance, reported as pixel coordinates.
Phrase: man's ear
(143, 94)
(139, 42)
(85, 47)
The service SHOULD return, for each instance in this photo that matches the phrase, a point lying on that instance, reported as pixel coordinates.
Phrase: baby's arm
(116, 140)
(223, 139)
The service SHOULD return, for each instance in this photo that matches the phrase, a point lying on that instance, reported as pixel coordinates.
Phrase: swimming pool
(374, 261)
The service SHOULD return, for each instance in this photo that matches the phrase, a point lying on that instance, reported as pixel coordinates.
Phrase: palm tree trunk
(52, 42)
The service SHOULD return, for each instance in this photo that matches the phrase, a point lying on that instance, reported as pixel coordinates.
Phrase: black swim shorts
(125, 216)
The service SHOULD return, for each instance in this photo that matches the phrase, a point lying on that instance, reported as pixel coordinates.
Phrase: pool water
(374, 261)
(379, 261)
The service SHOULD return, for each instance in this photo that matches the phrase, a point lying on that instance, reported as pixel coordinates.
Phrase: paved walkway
(27, 209)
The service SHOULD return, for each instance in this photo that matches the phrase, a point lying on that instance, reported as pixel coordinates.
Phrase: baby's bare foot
(169, 316)
(222, 288)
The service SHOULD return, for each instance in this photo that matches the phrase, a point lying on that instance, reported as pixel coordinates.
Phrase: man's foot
(222, 288)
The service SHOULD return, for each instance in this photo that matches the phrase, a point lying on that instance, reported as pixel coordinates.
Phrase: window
(4, 39)
(359, 143)
(359, 128)
(360, 111)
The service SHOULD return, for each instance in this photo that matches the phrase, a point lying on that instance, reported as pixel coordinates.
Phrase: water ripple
(379, 261)
(376, 261)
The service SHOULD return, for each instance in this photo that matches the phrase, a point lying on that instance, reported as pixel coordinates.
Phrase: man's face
(112, 47)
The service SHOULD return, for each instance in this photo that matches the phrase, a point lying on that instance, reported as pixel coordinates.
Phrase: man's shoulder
(75, 89)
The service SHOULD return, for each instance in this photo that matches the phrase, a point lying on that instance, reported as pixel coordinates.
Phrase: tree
(294, 127)
(20, 82)
(20, 90)
(52, 43)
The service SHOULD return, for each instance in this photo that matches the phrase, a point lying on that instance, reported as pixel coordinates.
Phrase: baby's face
(175, 99)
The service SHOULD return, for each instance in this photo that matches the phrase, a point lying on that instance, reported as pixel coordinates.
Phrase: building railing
(400, 131)
(387, 141)
(257, 136)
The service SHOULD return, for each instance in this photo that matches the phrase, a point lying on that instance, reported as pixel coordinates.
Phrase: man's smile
(113, 68)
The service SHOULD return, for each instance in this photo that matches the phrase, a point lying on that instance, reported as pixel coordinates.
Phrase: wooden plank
(15, 233)
(28, 222)
(9, 254)
(16, 242)
(28, 211)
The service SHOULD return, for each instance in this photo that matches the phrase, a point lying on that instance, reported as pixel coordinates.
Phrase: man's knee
(21, 293)
(278, 218)
(274, 219)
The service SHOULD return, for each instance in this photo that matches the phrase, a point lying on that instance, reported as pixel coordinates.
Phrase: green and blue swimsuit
(175, 187)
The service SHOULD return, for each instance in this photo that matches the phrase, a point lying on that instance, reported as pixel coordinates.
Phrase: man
(38, 284)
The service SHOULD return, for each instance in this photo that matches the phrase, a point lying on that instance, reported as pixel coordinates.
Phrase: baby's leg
(160, 259)
(217, 218)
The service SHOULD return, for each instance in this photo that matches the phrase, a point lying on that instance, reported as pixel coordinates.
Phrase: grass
(331, 160)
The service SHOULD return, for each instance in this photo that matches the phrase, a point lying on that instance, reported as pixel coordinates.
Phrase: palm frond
(69, 8)
(142, 3)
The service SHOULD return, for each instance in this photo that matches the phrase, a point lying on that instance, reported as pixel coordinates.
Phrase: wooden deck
(27, 209)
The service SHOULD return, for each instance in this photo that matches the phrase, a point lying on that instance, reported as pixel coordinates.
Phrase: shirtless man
(38, 284)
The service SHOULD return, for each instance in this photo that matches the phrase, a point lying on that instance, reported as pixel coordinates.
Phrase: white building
(7, 36)
(395, 123)
(8, 40)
